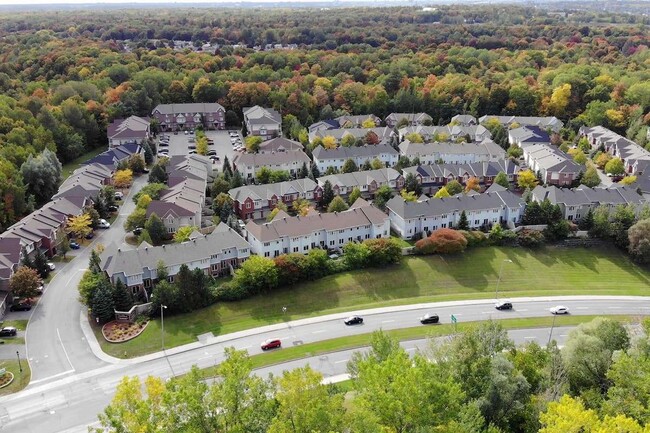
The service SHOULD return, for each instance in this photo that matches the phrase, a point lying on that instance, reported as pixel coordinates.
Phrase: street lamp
(162, 326)
(19, 365)
(496, 291)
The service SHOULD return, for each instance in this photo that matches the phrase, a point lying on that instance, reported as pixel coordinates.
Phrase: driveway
(178, 144)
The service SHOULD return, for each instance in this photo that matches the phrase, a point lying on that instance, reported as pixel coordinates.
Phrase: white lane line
(582, 308)
(64, 351)
(387, 321)
(457, 314)
(32, 382)
(482, 312)
(411, 349)
(529, 338)
(614, 308)
(563, 335)
(319, 331)
(522, 310)
(341, 361)
(245, 347)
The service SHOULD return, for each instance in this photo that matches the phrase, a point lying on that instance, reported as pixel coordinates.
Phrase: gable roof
(368, 151)
(279, 189)
(280, 144)
(583, 195)
(132, 126)
(358, 178)
(485, 147)
(269, 159)
(475, 169)
(190, 108)
(257, 115)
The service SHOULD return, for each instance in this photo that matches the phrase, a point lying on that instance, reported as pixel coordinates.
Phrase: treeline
(476, 382)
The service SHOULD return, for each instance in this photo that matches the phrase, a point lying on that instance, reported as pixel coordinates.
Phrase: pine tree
(148, 153)
(27, 261)
(411, 184)
(227, 168)
(237, 180)
(463, 224)
(315, 171)
(40, 264)
(328, 195)
(122, 299)
(304, 171)
(102, 303)
(587, 222)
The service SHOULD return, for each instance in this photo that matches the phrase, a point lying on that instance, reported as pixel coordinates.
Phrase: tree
(257, 275)
(123, 178)
(615, 166)
(148, 153)
(579, 157)
(94, 262)
(349, 166)
(639, 241)
(136, 163)
(143, 202)
(183, 233)
(560, 100)
(156, 229)
(442, 241)
(602, 159)
(526, 179)
(502, 179)
(442, 193)
(515, 152)
(102, 304)
(79, 226)
(63, 246)
(201, 143)
(24, 283)
(348, 140)
(356, 255)
(222, 205)
(329, 142)
(627, 180)
(472, 184)
(354, 195)
(42, 175)
(304, 171)
(226, 168)
(219, 186)
(408, 195)
(301, 206)
(412, 185)
(454, 187)
(590, 178)
(328, 194)
(463, 224)
(337, 205)
(382, 195)
(414, 137)
(253, 143)
(40, 264)
(88, 286)
(236, 180)
(122, 300)
(138, 218)
(153, 190)
(376, 164)
(304, 404)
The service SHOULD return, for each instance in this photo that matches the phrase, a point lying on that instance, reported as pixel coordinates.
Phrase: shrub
(442, 241)
(501, 236)
(383, 251)
(425, 246)
(474, 238)
(530, 238)
(231, 292)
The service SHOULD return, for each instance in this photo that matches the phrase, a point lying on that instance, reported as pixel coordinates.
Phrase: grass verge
(12, 340)
(547, 271)
(21, 325)
(21, 380)
(363, 340)
(76, 163)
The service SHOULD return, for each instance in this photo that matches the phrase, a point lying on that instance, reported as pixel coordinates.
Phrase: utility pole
(496, 290)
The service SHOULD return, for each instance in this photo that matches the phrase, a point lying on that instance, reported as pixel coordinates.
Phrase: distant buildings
(249, 164)
(335, 158)
(133, 129)
(257, 201)
(411, 119)
(550, 123)
(263, 122)
(368, 182)
(176, 117)
(453, 153)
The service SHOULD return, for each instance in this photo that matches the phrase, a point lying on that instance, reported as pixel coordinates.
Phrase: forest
(474, 382)
(66, 75)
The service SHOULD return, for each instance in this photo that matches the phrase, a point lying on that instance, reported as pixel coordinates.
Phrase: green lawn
(76, 163)
(21, 325)
(550, 271)
(21, 380)
(363, 340)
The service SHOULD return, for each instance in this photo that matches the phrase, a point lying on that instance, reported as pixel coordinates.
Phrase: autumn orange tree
(442, 241)
(25, 282)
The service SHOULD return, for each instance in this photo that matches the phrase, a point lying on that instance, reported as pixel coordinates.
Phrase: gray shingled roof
(485, 147)
(369, 151)
(279, 189)
(196, 107)
(358, 178)
(584, 195)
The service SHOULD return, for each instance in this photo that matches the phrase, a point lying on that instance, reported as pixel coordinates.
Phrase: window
(266, 254)
(331, 243)
(295, 249)
(266, 244)
(305, 248)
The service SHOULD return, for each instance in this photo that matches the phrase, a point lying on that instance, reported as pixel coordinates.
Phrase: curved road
(71, 402)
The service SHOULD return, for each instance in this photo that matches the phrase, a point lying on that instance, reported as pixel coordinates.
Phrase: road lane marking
(522, 310)
(341, 361)
(482, 312)
(387, 321)
(529, 338)
(320, 331)
(563, 335)
(32, 382)
(614, 308)
(64, 351)
(582, 308)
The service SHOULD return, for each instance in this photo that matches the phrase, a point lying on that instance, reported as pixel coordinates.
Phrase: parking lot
(179, 144)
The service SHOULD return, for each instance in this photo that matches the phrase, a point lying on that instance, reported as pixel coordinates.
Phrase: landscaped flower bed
(119, 332)
(6, 379)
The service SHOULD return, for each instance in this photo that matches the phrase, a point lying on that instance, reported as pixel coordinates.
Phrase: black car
(503, 305)
(8, 331)
(90, 235)
(20, 306)
(112, 208)
(429, 318)
(353, 320)
(137, 231)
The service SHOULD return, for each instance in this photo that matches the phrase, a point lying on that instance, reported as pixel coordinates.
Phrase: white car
(51, 266)
(559, 309)
(103, 224)
(119, 195)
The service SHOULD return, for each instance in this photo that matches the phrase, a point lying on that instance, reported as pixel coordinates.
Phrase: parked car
(103, 224)
(90, 235)
(191, 146)
(74, 245)
(353, 320)
(192, 152)
(214, 159)
(112, 208)
(137, 231)
(51, 266)
(119, 195)
(559, 309)
(163, 144)
(20, 306)
(271, 343)
(429, 318)
(503, 305)
(8, 331)
(212, 152)
(40, 289)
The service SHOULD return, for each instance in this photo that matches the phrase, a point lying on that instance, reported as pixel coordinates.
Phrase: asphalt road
(55, 344)
(74, 402)
(178, 144)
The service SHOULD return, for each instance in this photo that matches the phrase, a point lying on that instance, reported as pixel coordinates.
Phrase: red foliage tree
(442, 241)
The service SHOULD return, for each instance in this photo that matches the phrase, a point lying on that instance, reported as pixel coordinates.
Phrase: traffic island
(120, 331)
(6, 378)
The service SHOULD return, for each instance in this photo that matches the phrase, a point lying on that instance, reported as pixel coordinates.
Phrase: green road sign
(453, 319)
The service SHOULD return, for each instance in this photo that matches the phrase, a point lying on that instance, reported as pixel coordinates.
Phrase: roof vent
(163, 247)
(119, 250)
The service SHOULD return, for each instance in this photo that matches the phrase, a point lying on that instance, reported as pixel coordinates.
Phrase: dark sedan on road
(429, 318)
(8, 331)
(503, 305)
(353, 320)
(20, 306)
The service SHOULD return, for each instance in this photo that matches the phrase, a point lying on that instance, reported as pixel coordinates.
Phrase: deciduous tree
(337, 205)
(183, 233)
(79, 226)
(156, 229)
(123, 178)
(526, 179)
(24, 283)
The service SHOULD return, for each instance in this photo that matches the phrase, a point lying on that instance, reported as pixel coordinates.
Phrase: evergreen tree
(587, 222)
(122, 299)
(463, 224)
(40, 264)
(315, 171)
(27, 261)
(304, 171)
(94, 263)
(328, 195)
(156, 229)
(349, 166)
(148, 153)
(366, 165)
(227, 168)
(102, 303)
(157, 174)
(411, 184)
(236, 180)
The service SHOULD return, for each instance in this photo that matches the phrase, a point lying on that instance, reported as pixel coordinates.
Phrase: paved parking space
(178, 144)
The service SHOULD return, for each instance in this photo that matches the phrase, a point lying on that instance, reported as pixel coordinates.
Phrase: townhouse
(133, 129)
(552, 165)
(420, 218)
(280, 144)
(182, 203)
(464, 119)
(634, 157)
(371, 135)
(10, 258)
(368, 181)
(113, 156)
(300, 234)
(263, 122)
(551, 123)
(528, 136)
(576, 203)
(433, 177)
(335, 158)
(176, 117)
(323, 125)
(216, 254)
(257, 201)
(448, 132)
(249, 164)
(357, 121)
(453, 153)
(413, 119)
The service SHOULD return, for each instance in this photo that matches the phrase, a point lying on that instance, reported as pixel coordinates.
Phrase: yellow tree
(329, 142)
(442, 193)
(123, 178)
(560, 100)
(80, 226)
(368, 123)
(472, 184)
(629, 180)
(414, 137)
(408, 195)
(301, 206)
(202, 145)
(526, 179)
(144, 201)
(603, 159)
